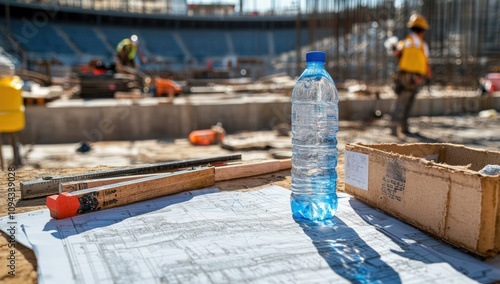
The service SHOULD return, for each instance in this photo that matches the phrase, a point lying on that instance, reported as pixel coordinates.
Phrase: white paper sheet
(206, 236)
(356, 169)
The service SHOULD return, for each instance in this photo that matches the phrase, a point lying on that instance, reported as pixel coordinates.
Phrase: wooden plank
(84, 201)
(252, 169)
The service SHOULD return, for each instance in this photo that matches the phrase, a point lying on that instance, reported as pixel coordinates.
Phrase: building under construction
(463, 39)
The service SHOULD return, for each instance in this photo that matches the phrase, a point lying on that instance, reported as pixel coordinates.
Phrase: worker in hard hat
(413, 72)
(126, 51)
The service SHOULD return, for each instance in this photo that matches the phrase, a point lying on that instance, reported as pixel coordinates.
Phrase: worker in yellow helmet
(126, 51)
(412, 54)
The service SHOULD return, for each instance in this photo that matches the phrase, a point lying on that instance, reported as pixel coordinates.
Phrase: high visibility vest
(414, 55)
(131, 49)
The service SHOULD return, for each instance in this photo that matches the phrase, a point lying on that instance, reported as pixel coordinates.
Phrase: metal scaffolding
(464, 40)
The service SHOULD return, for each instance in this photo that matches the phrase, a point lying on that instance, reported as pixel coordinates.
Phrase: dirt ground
(477, 131)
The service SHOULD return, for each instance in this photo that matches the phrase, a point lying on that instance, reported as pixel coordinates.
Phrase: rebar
(463, 39)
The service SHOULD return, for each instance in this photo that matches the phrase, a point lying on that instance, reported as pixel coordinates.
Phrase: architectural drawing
(206, 236)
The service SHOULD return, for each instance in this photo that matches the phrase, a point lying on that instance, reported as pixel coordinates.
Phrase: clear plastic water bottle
(314, 142)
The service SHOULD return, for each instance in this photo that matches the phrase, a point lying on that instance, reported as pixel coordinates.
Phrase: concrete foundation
(156, 118)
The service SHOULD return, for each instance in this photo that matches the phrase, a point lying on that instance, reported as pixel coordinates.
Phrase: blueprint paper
(205, 236)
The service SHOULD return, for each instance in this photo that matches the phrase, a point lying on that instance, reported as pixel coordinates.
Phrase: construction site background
(233, 65)
(463, 39)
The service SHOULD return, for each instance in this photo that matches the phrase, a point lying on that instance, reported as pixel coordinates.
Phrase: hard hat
(134, 39)
(418, 21)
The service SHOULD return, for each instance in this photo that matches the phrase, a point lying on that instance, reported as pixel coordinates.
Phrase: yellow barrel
(11, 104)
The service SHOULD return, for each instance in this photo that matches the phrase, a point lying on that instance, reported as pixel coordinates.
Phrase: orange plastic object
(205, 137)
(63, 205)
(11, 105)
(166, 87)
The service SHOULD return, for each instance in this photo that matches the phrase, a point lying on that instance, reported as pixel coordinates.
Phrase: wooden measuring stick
(69, 204)
(84, 184)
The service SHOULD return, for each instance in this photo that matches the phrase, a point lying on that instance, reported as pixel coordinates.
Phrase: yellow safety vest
(132, 51)
(413, 55)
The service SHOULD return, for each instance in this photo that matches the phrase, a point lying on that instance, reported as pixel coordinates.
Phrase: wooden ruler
(89, 200)
(69, 204)
(50, 185)
(84, 184)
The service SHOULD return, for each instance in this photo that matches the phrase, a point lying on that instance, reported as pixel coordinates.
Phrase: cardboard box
(434, 187)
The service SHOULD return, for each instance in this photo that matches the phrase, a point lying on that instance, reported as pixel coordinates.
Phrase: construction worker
(126, 51)
(414, 71)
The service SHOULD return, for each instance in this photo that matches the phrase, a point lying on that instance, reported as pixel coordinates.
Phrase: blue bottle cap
(315, 56)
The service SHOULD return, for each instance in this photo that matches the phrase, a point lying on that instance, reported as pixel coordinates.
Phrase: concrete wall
(118, 120)
(113, 120)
